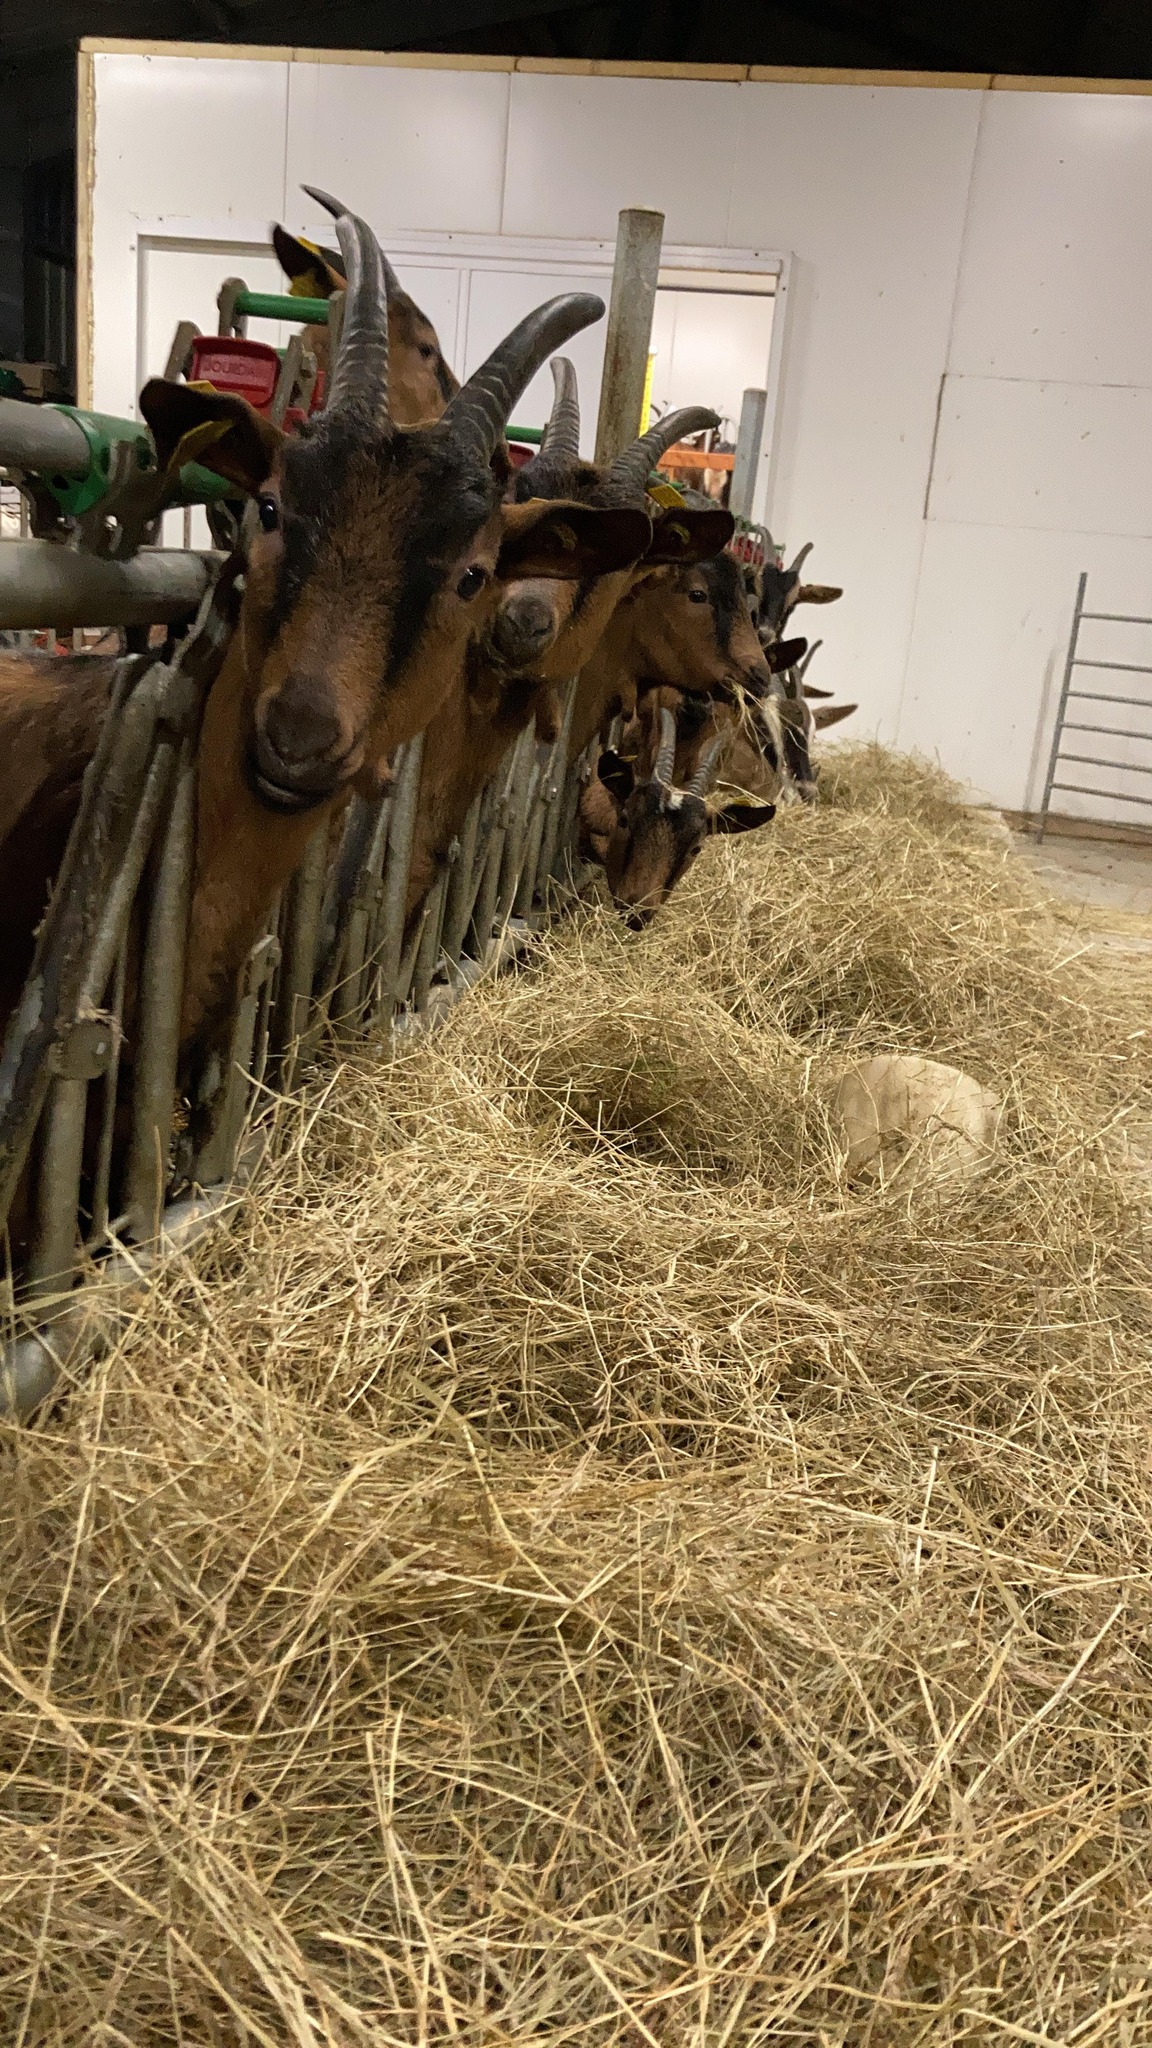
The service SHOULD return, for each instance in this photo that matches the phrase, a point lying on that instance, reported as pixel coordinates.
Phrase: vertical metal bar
(749, 440)
(533, 836)
(635, 273)
(217, 1156)
(518, 801)
(556, 785)
(429, 949)
(158, 1011)
(301, 931)
(52, 1261)
(460, 894)
(401, 832)
(1062, 707)
(491, 861)
(102, 1175)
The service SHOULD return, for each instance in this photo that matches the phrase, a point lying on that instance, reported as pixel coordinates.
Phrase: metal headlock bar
(103, 1172)
(336, 957)
(1069, 692)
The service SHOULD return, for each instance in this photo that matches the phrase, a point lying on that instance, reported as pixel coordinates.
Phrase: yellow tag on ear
(677, 532)
(200, 384)
(310, 284)
(191, 446)
(665, 494)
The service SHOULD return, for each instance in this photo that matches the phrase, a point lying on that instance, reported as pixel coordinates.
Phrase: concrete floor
(1107, 875)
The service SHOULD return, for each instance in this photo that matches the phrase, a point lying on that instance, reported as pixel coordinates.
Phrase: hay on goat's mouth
(573, 1567)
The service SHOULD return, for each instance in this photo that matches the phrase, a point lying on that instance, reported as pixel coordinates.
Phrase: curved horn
(706, 774)
(807, 661)
(632, 466)
(479, 412)
(795, 567)
(666, 751)
(562, 432)
(360, 371)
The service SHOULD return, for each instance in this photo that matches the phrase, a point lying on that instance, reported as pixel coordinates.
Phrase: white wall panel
(1003, 237)
(868, 189)
(497, 299)
(1058, 259)
(581, 148)
(1070, 457)
(988, 650)
(176, 141)
(407, 149)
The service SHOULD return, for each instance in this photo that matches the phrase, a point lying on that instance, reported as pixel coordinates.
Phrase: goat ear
(741, 817)
(312, 275)
(817, 593)
(243, 452)
(831, 714)
(810, 690)
(616, 775)
(782, 654)
(690, 533)
(549, 537)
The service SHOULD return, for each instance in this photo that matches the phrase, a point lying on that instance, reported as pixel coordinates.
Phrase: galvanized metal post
(629, 334)
(401, 831)
(301, 931)
(749, 441)
(158, 1015)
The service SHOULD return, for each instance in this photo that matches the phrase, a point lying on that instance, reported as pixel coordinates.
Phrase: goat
(646, 824)
(420, 383)
(544, 630)
(376, 559)
(774, 592)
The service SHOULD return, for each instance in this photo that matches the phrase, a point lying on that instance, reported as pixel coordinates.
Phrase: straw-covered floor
(569, 1568)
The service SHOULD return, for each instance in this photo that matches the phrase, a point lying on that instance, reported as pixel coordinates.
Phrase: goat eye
(698, 596)
(427, 351)
(269, 513)
(471, 582)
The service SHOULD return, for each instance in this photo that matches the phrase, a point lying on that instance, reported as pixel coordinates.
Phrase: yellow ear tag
(676, 531)
(665, 494)
(191, 446)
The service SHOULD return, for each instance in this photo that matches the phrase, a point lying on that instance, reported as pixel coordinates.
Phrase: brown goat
(646, 819)
(420, 383)
(544, 630)
(377, 560)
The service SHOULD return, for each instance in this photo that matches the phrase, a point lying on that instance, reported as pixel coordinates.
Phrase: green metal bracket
(101, 430)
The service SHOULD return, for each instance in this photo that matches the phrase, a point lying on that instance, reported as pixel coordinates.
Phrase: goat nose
(299, 727)
(524, 625)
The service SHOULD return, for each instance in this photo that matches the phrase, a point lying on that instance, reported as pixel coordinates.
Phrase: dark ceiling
(1093, 38)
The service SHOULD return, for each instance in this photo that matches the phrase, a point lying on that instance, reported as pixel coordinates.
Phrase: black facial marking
(340, 473)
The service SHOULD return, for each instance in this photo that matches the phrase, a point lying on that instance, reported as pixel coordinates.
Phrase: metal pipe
(635, 274)
(1062, 706)
(40, 438)
(460, 894)
(61, 962)
(157, 1031)
(554, 793)
(125, 882)
(749, 441)
(521, 787)
(428, 952)
(389, 937)
(42, 579)
(102, 1175)
(298, 957)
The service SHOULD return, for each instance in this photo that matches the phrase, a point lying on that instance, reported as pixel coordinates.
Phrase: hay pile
(569, 1568)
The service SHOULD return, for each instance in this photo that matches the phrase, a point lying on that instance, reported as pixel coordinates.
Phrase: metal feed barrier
(1072, 694)
(102, 1169)
(90, 1145)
